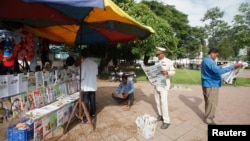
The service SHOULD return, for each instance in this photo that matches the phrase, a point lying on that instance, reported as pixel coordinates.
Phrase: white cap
(160, 50)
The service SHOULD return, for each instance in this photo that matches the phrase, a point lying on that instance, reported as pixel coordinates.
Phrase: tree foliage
(180, 24)
(173, 32)
(216, 29)
(241, 29)
(164, 35)
(226, 50)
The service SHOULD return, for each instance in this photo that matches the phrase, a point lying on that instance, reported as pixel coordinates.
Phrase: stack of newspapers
(146, 125)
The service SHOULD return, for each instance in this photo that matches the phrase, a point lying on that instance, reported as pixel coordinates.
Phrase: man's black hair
(124, 76)
(70, 61)
(84, 53)
(213, 50)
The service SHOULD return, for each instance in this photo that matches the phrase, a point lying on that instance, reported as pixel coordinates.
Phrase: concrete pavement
(245, 73)
(186, 106)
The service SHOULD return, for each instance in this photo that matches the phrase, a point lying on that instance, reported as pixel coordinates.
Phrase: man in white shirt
(161, 89)
(89, 71)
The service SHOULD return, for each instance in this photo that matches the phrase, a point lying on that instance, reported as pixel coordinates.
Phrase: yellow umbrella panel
(100, 25)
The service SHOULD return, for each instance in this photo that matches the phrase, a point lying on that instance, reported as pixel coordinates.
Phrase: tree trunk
(145, 59)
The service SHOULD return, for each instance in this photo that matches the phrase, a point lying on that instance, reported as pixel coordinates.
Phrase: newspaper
(154, 74)
(230, 76)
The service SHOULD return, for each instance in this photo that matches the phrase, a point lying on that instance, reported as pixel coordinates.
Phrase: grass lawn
(186, 76)
(182, 76)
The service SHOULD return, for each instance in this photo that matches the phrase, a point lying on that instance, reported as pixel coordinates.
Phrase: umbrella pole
(81, 105)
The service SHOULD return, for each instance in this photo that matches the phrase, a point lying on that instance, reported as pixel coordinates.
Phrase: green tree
(197, 43)
(179, 22)
(164, 35)
(241, 28)
(248, 54)
(226, 50)
(216, 29)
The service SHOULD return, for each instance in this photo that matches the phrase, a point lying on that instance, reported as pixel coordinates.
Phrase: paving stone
(94, 136)
(132, 129)
(112, 138)
(175, 132)
(108, 131)
(123, 134)
(132, 139)
(193, 135)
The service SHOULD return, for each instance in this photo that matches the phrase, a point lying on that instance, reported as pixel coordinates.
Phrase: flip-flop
(126, 108)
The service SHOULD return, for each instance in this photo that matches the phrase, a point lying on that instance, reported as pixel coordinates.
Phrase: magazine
(23, 83)
(49, 108)
(57, 89)
(59, 104)
(60, 113)
(53, 121)
(44, 97)
(67, 111)
(29, 101)
(39, 79)
(46, 79)
(23, 101)
(31, 81)
(58, 76)
(38, 130)
(36, 113)
(13, 84)
(3, 86)
(52, 93)
(47, 95)
(69, 87)
(39, 98)
(6, 105)
(46, 125)
(16, 105)
(63, 89)
(64, 75)
(52, 77)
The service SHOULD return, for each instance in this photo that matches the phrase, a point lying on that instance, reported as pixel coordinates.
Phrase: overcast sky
(195, 9)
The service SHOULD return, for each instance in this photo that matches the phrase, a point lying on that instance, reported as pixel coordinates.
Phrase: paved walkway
(186, 108)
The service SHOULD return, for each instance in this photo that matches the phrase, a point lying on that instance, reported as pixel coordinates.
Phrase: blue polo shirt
(127, 88)
(211, 72)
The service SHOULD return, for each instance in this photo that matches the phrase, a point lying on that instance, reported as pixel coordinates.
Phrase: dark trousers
(89, 99)
(129, 98)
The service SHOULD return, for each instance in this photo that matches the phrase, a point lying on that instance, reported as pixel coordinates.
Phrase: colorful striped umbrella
(76, 22)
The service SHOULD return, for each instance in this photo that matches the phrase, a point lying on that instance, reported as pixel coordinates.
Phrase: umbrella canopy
(36, 15)
(92, 23)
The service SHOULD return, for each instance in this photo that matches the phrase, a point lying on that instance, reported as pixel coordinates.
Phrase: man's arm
(131, 86)
(118, 91)
(217, 69)
(171, 70)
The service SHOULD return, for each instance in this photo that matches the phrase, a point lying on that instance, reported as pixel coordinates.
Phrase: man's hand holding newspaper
(230, 76)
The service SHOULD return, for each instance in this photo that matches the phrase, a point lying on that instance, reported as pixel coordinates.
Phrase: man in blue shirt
(127, 88)
(211, 82)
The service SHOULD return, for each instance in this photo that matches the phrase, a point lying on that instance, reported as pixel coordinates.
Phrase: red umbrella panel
(36, 15)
